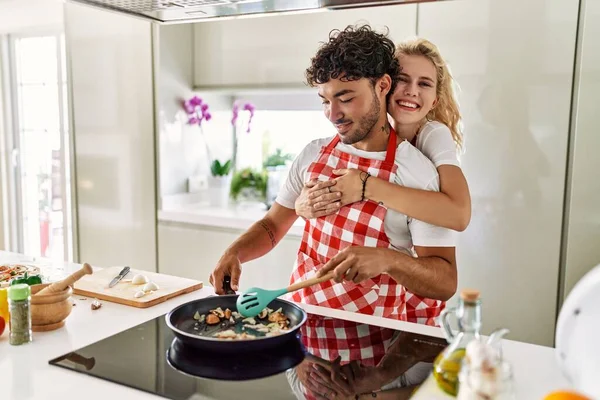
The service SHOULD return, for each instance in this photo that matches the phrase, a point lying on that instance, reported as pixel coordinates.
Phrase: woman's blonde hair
(446, 109)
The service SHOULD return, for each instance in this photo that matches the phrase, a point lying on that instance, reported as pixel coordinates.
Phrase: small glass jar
(19, 305)
(477, 384)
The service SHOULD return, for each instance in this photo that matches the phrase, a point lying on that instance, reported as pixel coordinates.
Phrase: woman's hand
(317, 199)
(349, 183)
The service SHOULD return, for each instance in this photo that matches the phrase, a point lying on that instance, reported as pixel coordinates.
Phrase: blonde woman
(425, 113)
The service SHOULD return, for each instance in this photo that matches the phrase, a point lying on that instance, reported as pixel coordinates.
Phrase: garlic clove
(150, 286)
(139, 279)
(139, 294)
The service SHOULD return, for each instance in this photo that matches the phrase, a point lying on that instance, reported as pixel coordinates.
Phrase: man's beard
(365, 124)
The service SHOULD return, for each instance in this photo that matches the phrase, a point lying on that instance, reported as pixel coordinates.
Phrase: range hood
(186, 11)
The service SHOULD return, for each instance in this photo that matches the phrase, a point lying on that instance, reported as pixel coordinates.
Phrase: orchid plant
(240, 123)
(197, 112)
(241, 120)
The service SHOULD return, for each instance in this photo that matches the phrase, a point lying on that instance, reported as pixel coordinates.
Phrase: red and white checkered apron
(357, 224)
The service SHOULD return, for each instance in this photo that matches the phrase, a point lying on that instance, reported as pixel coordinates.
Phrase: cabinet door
(276, 50)
(514, 63)
(193, 252)
(112, 86)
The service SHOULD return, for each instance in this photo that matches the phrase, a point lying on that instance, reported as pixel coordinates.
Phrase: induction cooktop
(150, 358)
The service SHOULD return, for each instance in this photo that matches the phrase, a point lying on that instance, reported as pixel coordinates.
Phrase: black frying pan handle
(227, 285)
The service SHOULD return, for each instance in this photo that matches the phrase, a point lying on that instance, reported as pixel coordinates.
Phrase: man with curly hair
(369, 248)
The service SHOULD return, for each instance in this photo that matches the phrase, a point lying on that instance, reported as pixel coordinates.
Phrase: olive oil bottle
(446, 367)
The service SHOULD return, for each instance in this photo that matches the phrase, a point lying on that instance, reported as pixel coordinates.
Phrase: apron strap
(390, 156)
(333, 143)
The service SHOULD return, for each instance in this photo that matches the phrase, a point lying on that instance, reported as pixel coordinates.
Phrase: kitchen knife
(117, 278)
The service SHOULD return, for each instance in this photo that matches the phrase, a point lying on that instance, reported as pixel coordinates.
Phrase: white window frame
(11, 165)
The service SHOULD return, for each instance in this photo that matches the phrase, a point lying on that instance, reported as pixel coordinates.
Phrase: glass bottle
(19, 304)
(447, 365)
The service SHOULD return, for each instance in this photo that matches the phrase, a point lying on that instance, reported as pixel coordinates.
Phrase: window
(40, 138)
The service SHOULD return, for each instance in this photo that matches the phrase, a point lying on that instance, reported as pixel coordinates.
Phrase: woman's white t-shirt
(436, 142)
(414, 170)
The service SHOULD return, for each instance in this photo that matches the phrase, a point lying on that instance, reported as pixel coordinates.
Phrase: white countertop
(239, 217)
(26, 373)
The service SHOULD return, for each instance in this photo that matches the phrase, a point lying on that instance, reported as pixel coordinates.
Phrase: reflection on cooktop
(235, 367)
(149, 357)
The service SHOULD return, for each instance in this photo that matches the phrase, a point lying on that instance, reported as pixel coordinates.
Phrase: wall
(277, 49)
(514, 63)
(182, 149)
(582, 251)
(26, 15)
(111, 80)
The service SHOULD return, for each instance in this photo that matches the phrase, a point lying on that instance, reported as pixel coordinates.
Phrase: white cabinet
(193, 251)
(514, 63)
(276, 50)
(112, 85)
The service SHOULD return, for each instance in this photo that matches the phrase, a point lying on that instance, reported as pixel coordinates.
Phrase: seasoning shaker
(19, 304)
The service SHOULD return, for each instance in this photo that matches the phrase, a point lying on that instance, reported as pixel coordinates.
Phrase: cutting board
(96, 286)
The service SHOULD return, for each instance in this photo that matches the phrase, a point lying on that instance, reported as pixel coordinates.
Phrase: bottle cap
(19, 291)
(470, 295)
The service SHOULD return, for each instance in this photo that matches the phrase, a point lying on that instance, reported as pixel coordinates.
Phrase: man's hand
(358, 264)
(320, 384)
(363, 379)
(317, 199)
(228, 265)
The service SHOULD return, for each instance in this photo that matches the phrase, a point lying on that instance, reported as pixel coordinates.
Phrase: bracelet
(364, 184)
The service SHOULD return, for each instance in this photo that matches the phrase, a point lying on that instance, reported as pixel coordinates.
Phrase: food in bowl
(231, 325)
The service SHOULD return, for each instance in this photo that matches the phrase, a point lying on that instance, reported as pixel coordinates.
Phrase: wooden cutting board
(96, 286)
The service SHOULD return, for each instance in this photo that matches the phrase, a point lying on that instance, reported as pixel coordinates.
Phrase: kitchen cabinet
(275, 51)
(192, 251)
(583, 207)
(515, 71)
(112, 83)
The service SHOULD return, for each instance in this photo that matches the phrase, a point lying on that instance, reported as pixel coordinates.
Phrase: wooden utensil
(59, 286)
(254, 300)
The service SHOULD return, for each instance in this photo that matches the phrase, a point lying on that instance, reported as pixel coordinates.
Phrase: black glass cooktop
(148, 357)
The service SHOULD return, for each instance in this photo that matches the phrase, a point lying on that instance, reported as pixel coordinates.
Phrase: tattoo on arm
(269, 232)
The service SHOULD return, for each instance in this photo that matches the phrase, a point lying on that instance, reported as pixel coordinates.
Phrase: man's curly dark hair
(354, 53)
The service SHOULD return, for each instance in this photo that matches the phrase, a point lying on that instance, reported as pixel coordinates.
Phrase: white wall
(25, 15)
(583, 239)
(277, 49)
(514, 62)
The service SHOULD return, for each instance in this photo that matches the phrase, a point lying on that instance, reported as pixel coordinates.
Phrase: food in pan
(232, 326)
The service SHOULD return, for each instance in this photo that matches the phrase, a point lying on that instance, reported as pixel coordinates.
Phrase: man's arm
(432, 275)
(264, 234)
(257, 241)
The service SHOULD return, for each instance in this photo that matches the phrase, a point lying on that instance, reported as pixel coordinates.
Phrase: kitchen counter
(199, 213)
(26, 373)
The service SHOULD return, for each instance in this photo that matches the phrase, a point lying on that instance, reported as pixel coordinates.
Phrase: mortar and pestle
(51, 302)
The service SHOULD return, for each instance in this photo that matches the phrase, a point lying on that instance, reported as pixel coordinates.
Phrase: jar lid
(19, 291)
(470, 295)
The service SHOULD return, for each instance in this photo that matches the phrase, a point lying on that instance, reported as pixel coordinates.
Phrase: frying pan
(181, 321)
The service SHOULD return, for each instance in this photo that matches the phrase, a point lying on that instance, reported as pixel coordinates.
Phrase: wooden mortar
(49, 311)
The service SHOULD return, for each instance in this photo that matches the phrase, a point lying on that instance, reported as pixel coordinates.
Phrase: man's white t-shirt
(414, 170)
(436, 142)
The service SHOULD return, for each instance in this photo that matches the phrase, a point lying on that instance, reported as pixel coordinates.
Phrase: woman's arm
(448, 208)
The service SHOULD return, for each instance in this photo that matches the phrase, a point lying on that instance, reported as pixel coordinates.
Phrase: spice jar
(19, 304)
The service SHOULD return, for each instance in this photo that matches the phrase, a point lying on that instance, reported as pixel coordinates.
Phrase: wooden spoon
(59, 286)
(254, 300)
